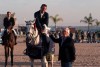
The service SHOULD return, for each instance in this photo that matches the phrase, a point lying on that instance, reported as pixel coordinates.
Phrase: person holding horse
(9, 22)
(66, 48)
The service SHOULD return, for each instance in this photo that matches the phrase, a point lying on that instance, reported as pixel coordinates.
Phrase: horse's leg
(52, 58)
(6, 54)
(44, 62)
(8, 51)
(50, 62)
(32, 62)
(11, 52)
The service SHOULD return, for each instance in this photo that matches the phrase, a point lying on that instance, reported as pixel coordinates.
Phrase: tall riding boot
(15, 40)
(4, 36)
(3, 40)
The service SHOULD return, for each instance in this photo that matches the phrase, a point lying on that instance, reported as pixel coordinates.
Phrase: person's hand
(50, 33)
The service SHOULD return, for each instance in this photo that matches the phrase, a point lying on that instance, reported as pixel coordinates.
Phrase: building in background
(1, 20)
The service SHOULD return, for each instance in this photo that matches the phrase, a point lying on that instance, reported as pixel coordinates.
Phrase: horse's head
(32, 32)
(31, 29)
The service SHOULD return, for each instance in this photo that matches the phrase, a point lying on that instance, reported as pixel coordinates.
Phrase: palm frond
(13, 14)
(90, 23)
(85, 18)
(53, 18)
(59, 19)
(84, 21)
(56, 15)
(89, 20)
(92, 20)
(56, 19)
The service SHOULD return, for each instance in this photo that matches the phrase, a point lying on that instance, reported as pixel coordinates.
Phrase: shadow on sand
(24, 63)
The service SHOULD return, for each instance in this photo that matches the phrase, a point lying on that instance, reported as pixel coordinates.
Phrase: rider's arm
(47, 19)
(4, 22)
(38, 24)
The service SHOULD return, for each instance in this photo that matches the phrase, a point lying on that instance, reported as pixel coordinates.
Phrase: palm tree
(89, 20)
(97, 23)
(56, 19)
(13, 15)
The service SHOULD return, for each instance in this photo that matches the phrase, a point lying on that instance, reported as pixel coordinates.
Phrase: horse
(9, 42)
(35, 48)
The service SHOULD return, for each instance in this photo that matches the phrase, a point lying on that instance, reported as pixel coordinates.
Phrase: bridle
(31, 35)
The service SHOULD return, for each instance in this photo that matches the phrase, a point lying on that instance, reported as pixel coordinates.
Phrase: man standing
(9, 21)
(42, 17)
(66, 48)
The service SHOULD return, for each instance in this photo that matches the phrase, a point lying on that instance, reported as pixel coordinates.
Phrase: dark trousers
(66, 64)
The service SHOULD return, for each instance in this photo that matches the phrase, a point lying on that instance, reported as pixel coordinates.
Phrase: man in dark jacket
(8, 21)
(42, 17)
(66, 48)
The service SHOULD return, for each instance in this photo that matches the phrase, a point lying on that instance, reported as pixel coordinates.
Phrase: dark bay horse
(9, 42)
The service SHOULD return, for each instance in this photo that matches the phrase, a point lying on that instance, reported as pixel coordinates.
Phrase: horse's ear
(33, 21)
(26, 22)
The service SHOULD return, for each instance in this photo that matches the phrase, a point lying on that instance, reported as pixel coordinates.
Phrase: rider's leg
(44, 38)
(3, 36)
(15, 35)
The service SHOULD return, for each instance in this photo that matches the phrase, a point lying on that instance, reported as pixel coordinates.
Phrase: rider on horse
(8, 22)
(42, 17)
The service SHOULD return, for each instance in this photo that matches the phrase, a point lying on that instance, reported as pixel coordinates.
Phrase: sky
(72, 11)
